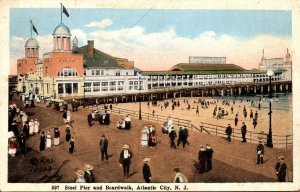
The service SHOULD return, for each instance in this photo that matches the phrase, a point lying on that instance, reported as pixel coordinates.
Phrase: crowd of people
(31, 127)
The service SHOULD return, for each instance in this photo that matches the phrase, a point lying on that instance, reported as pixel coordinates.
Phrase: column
(222, 92)
(174, 95)
(191, 93)
(254, 89)
(202, 93)
(280, 87)
(240, 90)
(261, 89)
(274, 88)
(231, 91)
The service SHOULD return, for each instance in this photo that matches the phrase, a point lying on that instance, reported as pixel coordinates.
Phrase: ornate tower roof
(31, 43)
(61, 30)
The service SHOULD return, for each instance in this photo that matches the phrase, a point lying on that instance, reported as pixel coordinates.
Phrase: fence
(149, 116)
(279, 141)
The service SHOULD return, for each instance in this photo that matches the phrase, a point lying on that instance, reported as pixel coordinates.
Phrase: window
(104, 86)
(120, 85)
(75, 87)
(87, 87)
(93, 72)
(68, 88)
(97, 72)
(117, 73)
(112, 86)
(60, 88)
(96, 86)
(67, 72)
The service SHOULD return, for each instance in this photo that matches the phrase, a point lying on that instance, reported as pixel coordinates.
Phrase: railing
(148, 116)
(279, 141)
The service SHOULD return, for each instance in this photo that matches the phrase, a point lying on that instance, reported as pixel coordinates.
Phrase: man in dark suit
(88, 174)
(281, 169)
(228, 133)
(172, 136)
(260, 153)
(146, 170)
(244, 131)
(103, 144)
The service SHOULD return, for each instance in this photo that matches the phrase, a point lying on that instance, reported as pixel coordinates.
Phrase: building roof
(32, 43)
(206, 67)
(199, 72)
(62, 30)
(99, 60)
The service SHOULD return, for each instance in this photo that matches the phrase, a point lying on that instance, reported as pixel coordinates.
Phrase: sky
(157, 39)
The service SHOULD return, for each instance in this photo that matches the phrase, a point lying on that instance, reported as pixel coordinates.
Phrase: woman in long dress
(68, 133)
(68, 117)
(49, 140)
(31, 127)
(36, 126)
(56, 136)
(145, 137)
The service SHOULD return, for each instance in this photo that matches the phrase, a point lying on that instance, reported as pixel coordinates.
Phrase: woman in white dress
(145, 137)
(49, 140)
(36, 126)
(31, 127)
(68, 117)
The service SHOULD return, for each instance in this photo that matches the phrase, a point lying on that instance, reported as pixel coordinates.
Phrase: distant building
(207, 60)
(278, 64)
(13, 82)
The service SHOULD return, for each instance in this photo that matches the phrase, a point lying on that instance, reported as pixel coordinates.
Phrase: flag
(33, 28)
(65, 11)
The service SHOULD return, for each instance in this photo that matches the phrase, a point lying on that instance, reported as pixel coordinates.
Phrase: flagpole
(30, 29)
(60, 13)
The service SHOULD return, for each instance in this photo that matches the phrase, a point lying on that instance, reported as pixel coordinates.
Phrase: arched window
(67, 72)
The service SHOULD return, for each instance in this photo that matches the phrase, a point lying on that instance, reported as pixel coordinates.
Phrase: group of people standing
(205, 159)
(148, 136)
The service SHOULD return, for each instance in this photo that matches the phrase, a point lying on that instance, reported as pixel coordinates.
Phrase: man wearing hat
(146, 170)
(22, 140)
(228, 132)
(208, 155)
(281, 169)
(72, 145)
(260, 153)
(49, 140)
(103, 144)
(125, 159)
(56, 136)
(179, 177)
(89, 119)
(202, 159)
(244, 131)
(88, 174)
(42, 141)
(80, 176)
(172, 136)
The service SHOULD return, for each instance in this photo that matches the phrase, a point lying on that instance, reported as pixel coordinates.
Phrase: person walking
(208, 154)
(172, 136)
(68, 133)
(42, 141)
(26, 129)
(125, 160)
(202, 160)
(36, 126)
(68, 117)
(89, 119)
(31, 127)
(103, 145)
(88, 174)
(145, 137)
(260, 153)
(179, 177)
(56, 136)
(22, 140)
(236, 119)
(281, 169)
(49, 140)
(72, 145)
(228, 132)
(244, 131)
(146, 170)
(64, 115)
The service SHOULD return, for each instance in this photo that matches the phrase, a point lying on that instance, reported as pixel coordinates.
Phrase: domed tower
(31, 48)
(75, 42)
(61, 39)
(287, 56)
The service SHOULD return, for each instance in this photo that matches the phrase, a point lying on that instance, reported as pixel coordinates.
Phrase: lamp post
(270, 73)
(140, 106)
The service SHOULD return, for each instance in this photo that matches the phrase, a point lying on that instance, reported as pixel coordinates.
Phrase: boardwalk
(234, 162)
